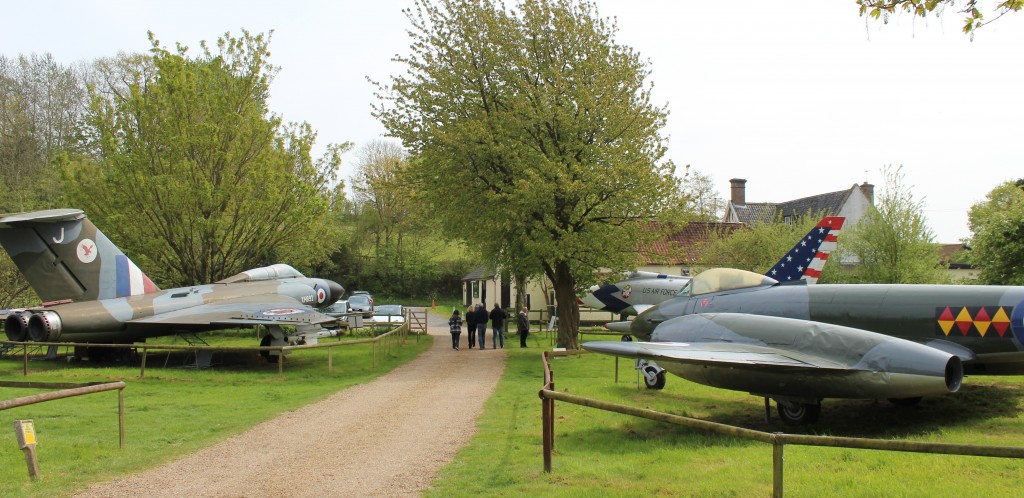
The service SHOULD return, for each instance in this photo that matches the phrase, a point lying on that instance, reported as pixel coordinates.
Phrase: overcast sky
(798, 102)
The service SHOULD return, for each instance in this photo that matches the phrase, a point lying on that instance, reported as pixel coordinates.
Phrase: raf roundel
(87, 251)
(321, 295)
(281, 312)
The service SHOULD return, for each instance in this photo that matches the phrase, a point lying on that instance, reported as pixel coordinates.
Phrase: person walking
(455, 327)
(481, 324)
(471, 324)
(523, 323)
(498, 317)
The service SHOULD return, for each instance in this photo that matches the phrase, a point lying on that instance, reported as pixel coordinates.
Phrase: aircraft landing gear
(654, 376)
(267, 339)
(798, 412)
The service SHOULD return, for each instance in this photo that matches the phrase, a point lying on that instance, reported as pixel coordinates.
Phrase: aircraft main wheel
(267, 339)
(794, 413)
(905, 401)
(654, 377)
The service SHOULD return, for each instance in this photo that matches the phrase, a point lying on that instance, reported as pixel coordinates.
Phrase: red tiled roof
(683, 246)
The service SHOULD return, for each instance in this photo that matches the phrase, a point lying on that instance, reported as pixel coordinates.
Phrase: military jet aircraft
(798, 344)
(94, 293)
(642, 290)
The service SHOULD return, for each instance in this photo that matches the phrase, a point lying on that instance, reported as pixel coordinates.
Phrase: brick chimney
(869, 191)
(739, 191)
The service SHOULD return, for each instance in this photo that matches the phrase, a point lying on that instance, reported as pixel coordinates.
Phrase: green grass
(599, 453)
(172, 412)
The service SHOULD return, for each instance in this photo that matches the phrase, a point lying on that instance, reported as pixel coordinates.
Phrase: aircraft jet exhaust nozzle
(16, 326)
(954, 374)
(44, 326)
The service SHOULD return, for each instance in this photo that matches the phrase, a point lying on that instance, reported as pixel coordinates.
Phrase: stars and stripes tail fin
(807, 258)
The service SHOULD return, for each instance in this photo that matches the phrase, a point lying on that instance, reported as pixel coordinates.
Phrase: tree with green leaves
(893, 242)
(41, 106)
(381, 187)
(997, 227)
(536, 138)
(193, 174)
(973, 15)
(702, 200)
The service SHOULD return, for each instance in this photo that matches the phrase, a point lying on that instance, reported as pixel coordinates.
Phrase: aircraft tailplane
(64, 256)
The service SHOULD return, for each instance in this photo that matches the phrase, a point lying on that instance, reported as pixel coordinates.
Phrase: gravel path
(385, 438)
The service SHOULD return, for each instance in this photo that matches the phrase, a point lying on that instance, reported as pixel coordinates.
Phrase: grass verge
(174, 411)
(606, 454)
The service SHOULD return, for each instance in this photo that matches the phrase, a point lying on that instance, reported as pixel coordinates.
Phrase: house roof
(481, 273)
(948, 251)
(828, 204)
(684, 246)
(754, 212)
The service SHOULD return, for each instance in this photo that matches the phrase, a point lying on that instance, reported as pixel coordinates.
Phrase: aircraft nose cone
(643, 326)
(336, 291)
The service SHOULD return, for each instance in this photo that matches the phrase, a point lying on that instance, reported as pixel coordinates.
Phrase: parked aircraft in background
(643, 290)
(94, 293)
(798, 344)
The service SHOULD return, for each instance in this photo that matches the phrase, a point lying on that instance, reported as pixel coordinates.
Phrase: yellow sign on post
(26, 433)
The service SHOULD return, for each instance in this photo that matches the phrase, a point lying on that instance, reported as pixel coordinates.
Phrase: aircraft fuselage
(983, 325)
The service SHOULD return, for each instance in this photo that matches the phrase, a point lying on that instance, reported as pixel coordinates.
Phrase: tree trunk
(568, 307)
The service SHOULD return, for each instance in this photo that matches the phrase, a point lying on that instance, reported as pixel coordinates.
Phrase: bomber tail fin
(64, 256)
(806, 259)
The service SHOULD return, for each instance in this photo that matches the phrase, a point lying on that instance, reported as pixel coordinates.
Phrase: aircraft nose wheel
(797, 413)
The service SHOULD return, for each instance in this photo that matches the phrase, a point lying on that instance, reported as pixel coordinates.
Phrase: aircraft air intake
(16, 326)
(44, 326)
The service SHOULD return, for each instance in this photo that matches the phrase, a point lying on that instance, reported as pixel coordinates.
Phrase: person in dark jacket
(471, 324)
(481, 324)
(498, 317)
(455, 327)
(523, 323)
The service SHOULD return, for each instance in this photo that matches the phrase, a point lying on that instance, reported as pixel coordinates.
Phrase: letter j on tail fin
(64, 256)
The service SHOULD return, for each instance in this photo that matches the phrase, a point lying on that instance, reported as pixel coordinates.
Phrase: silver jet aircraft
(94, 293)
(642, 291)
(798, 344)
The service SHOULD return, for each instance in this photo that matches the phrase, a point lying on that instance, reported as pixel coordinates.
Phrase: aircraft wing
(714, 353)
(248, 310)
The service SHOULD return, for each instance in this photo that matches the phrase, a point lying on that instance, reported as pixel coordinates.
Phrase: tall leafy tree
(41, 108)
(381, 186)
(538, 142)
(702, 200)
(194, 173)
(997, 225)
(893, 241)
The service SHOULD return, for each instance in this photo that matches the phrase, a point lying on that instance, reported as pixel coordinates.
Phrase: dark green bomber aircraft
(94, 293)
(798, 344)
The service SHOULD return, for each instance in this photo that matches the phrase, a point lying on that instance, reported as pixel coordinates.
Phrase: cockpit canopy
(725, 279)
(272, 272)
